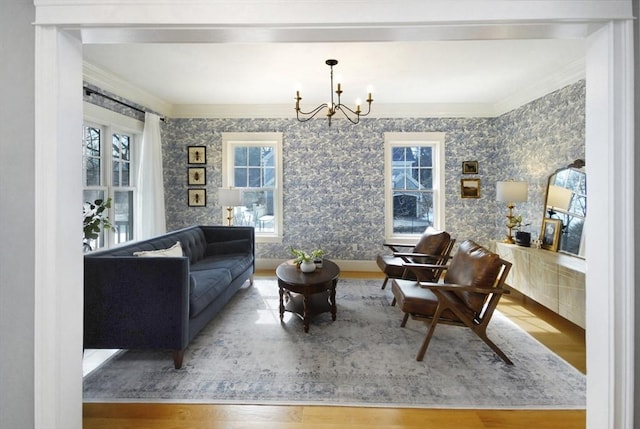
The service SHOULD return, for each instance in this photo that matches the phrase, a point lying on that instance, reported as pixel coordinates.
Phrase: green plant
(301, 256)
(94, 218)
(515, 222)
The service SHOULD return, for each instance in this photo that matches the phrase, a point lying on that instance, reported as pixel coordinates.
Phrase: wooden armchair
(467, 296)
(434, 247)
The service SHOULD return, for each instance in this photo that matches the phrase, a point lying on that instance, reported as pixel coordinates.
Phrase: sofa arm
(134, 302)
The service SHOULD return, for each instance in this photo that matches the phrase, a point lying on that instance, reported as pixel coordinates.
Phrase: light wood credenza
(555, 280)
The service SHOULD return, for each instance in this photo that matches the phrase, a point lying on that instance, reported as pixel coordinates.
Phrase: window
(108, 146)
(253, 163)
(414, 184)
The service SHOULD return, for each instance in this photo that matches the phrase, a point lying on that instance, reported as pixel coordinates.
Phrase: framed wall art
(196, 176)
(469, 167)
(197, 154)
(470, 188)
(197, 197)
(550, 234)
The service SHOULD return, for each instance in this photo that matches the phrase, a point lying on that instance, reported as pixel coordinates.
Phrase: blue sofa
(154, 302)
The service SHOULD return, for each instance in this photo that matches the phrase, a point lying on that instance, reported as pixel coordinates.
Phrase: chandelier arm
(342, 108)
(312, 113)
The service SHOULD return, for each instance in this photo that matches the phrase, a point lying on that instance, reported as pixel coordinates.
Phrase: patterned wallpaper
(333, 176)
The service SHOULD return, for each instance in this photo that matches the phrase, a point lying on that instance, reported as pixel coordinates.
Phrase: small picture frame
(197, 154)
(196, 176)
(469, 167)
(550, 234)
(470, 188)
(197, 197)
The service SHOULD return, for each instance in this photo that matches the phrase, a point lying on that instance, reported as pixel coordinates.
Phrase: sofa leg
(178, 355)
(251, 280)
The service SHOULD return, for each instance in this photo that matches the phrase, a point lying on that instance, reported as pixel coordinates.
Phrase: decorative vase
(307, 266)
(318, 262)
(523, 238)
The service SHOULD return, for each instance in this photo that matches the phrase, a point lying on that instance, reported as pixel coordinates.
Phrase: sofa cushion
(226, 247)
(205, 286)
(236, 263)
(174, 251)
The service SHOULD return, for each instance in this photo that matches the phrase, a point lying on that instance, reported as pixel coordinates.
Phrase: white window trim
(112, 122)
(257, 139)
(435, 139)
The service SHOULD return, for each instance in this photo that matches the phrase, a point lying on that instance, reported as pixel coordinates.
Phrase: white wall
(17, 145)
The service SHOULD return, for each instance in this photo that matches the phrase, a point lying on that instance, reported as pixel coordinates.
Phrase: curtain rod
(90, 92)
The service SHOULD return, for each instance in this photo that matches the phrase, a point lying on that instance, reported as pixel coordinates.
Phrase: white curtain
(149, 214)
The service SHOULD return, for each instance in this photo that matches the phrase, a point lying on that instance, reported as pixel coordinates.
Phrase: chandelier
(332, 108)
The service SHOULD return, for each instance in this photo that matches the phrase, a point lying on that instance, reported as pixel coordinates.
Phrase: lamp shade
(229, 197)
(559, 197)
(511, 191)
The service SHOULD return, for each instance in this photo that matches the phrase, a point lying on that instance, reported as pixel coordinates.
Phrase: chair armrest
(420, 255)
(419, 266)
(395, 246)
(462, 288)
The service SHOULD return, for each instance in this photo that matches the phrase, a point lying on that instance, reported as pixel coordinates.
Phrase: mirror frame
(566, 216)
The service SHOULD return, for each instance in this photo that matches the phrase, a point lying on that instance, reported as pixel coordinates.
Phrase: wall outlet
(354, 247)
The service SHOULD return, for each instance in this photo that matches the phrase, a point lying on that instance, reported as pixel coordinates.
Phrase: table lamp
(511, 192)
(229, 198)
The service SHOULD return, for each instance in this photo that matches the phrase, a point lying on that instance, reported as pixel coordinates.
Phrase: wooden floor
(561, 336)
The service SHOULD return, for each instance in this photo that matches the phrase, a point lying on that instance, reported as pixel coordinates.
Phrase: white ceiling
(496, 75)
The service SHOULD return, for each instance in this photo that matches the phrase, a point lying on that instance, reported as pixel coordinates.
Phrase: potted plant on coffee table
(306, 261)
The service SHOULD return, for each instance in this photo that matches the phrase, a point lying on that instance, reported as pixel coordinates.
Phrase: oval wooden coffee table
(308, 294)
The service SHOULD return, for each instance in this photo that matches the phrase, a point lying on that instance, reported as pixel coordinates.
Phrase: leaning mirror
(566, 201)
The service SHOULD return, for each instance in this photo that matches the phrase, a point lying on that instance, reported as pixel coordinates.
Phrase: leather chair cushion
(473, 265)
(433, 242)
(417, 300)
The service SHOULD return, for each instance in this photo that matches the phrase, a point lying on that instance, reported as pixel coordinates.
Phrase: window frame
(230, 141)
(435, 140)
(111, 123)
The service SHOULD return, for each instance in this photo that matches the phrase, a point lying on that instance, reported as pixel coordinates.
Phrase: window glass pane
(268, 158)
(125, 174)
(269, 177)
(90, 196)
(123, 222)
(255, 156)
(115, 147)
(240, 177)
(258, 211)
(116, 173)
(254, 178)
(91, 157)
(125, 148)
(240, 156)
(412, 212)
(92, 172)
(426, 178)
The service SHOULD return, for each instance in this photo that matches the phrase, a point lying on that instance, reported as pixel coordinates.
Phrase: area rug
(364, 358)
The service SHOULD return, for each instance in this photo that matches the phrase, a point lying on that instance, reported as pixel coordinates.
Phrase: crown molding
(567, 75)
(116, 85)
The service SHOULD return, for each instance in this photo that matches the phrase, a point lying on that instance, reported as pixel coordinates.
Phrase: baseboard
(345, 265)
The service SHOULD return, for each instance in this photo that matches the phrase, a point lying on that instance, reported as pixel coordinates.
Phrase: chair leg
(427, 339)
(494, 347)
(384, 284)
(404, 320)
